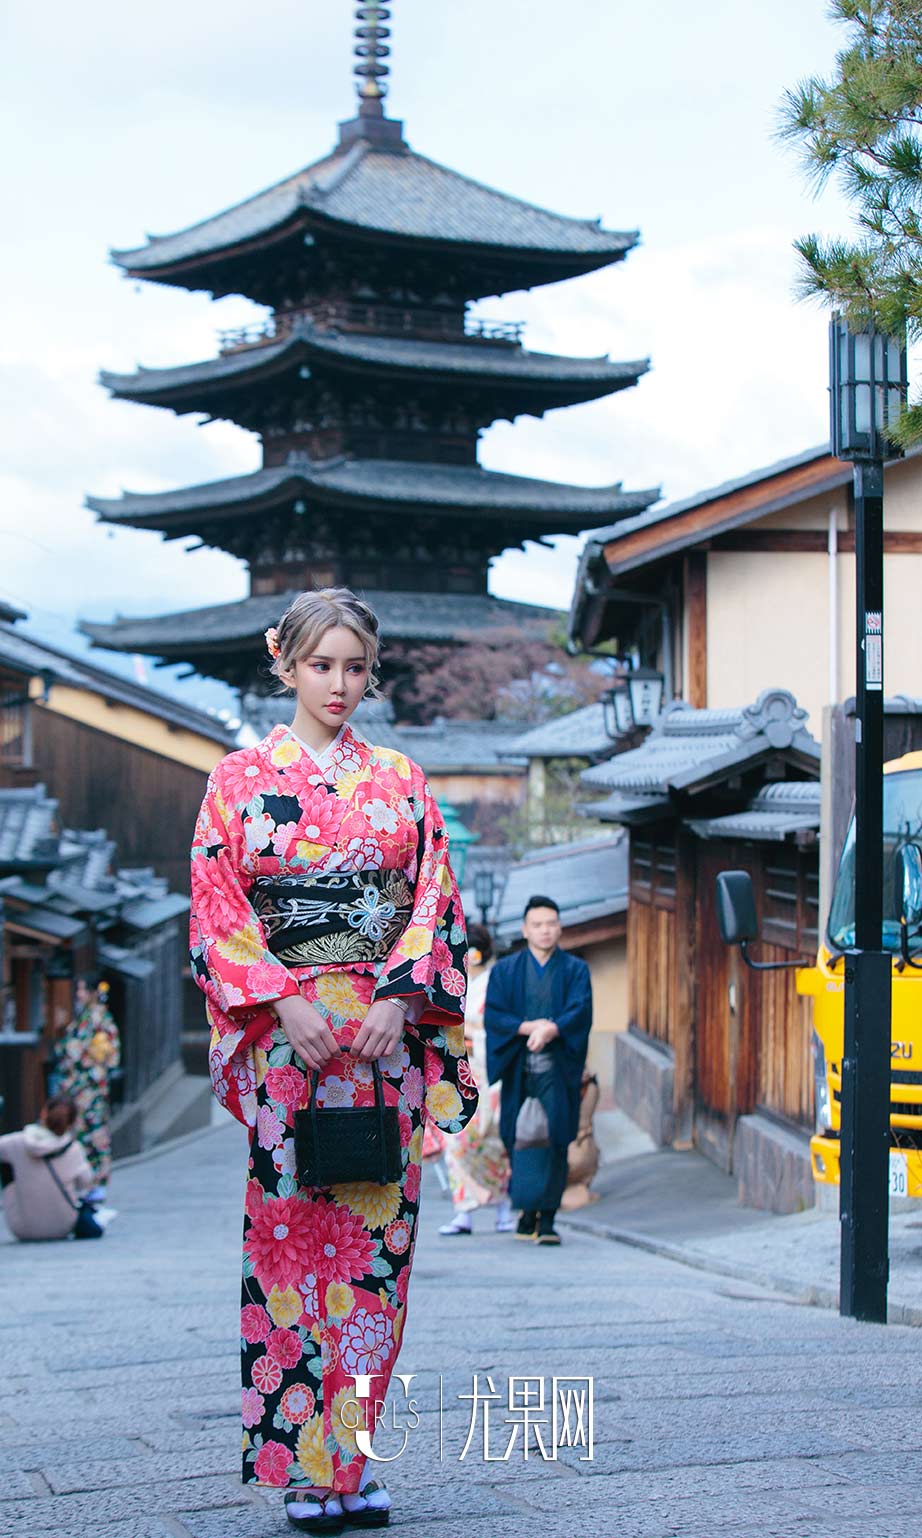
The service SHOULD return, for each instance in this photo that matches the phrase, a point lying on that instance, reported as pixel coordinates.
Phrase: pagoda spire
(371, 49)
(371, 73)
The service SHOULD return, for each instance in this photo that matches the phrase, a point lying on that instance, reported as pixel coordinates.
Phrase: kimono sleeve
(501, 1018)
(427, 966)
(574, 1020)
(231, 961)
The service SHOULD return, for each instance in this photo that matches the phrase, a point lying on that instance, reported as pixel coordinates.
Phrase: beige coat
(33, 1206)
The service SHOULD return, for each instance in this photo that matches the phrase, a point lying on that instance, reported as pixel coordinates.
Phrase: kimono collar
(345, 738)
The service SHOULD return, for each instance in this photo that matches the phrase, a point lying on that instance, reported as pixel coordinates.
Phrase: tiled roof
(405, 616)
(789, 808)
(713, 494)
(377, 481)
(396, 192)
(587, 880)
(24, 655)
(460, 746)
(27, 818)
(688, 749)
(499, 364)
(82, 880)
(579, 734)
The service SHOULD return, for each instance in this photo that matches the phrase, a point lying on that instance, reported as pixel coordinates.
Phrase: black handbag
(348, 1143)
(87, 1225)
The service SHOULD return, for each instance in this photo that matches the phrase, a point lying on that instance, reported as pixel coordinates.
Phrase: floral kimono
(477, 1162)
(85, 1056)
(287, 837)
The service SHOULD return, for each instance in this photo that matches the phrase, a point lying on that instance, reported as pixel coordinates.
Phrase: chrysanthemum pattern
(326, 1272)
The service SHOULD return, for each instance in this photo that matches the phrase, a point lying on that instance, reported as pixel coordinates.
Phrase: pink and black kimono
(338, 863)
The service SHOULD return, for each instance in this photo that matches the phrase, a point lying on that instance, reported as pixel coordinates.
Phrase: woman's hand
(307, 1031)
(380, 1032)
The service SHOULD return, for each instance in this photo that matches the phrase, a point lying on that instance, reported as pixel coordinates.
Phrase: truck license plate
(899, 1176)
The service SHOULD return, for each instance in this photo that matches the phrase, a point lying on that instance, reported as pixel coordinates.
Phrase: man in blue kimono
(537, 1019)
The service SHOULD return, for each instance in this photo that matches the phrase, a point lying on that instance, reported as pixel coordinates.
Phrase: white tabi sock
(318, 1500)
(372, 1496)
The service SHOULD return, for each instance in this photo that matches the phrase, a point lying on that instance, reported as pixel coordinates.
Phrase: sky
(660, 118)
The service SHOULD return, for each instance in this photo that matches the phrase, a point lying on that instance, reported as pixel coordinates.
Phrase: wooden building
(368, 384)
(751, 584)
(65, 908)
(589, 882)
(118, 755)
(715, 1054)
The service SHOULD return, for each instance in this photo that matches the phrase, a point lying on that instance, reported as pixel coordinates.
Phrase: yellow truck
(825, 984)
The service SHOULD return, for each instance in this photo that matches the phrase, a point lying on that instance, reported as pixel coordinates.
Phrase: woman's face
(330, 681)
(81, 993)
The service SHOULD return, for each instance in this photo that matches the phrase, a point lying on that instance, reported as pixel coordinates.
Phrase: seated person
(44, 1170)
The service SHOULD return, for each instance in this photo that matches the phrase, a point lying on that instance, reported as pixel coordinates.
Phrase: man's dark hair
(540, 902)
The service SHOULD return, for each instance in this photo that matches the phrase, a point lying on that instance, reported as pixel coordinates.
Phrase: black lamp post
(867, 374)
(484, 891)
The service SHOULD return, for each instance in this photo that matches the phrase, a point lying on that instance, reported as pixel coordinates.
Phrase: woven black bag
(346, 1143)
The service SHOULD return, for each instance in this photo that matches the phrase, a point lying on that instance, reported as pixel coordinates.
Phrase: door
(725, 1039)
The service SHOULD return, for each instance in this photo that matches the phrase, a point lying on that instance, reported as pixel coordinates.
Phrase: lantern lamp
(868, 384)
(645, 687)
(459, 838)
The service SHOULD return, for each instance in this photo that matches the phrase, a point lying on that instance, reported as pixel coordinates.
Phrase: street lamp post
(484, 891)
(867, 393)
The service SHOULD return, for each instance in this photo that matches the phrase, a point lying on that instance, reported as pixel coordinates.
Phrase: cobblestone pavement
(720, 1408)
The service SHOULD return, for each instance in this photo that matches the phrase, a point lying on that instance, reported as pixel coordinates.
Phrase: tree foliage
(500, 674)
(863, 125)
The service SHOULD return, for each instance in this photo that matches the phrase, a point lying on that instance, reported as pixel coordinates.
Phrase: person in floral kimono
(327, 931)
(84, 1058)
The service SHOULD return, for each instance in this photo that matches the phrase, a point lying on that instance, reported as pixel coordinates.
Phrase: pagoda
(368, 384)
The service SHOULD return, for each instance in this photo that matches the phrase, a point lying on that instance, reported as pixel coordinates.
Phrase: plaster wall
(769, 611)
(607, 962)
(769, 627)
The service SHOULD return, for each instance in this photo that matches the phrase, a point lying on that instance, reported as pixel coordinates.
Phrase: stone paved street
(720, 1408)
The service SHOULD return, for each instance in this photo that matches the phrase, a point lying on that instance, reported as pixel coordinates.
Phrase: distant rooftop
(462, 747)
(405, 616)
(578, 734)
(22, 654)
(587, 880)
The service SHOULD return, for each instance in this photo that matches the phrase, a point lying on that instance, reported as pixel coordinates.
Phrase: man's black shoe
(527, 1226)
(547, 1233)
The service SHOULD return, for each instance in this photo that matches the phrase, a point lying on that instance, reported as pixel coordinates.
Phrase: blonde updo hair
(309, 617)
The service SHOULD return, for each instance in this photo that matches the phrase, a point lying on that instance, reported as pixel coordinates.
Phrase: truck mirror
(736, 907)
(911, 899)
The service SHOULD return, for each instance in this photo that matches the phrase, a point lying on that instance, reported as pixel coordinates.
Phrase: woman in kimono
(327, 931)
(477, 1162)
(84, 1057)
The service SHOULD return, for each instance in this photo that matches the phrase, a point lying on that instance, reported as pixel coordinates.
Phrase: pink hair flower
(272, 642)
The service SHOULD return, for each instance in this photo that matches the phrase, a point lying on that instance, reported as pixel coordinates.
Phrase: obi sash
(344, 916)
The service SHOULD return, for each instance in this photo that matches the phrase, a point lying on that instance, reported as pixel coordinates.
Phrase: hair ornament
(272, 642)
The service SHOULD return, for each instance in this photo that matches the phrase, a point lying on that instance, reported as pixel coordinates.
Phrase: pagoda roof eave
(367, 192)
(228, 628)
(378, 484)
(398, 358)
